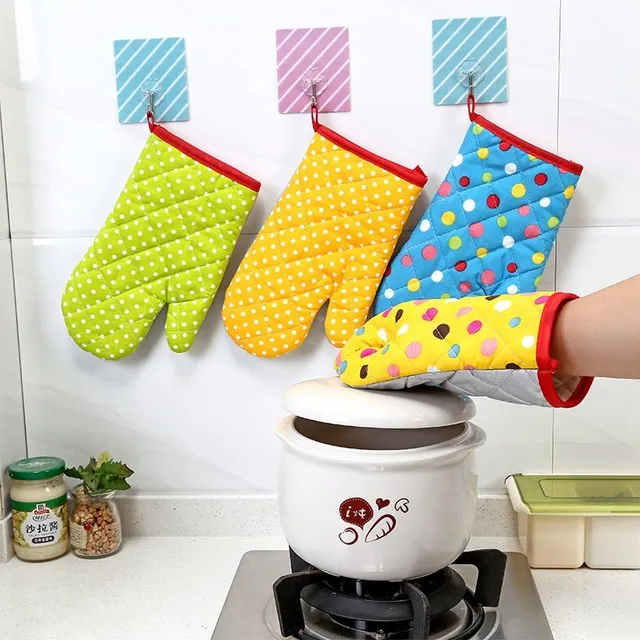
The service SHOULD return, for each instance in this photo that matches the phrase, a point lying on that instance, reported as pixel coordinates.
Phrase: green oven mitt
(167, 242)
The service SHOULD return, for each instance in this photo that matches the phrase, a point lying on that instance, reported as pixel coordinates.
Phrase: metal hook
(471, 98)
(151, 100)
(470, 78)
(314, 93)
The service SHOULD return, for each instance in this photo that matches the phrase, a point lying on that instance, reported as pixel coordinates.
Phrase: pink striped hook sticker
(320, 54)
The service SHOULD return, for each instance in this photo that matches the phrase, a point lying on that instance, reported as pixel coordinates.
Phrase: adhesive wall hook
(308, 57)
(470, 78)
(151, 76)
(470, 75)
(151, 101)
(150, 97)
(471, 98)
(461, 45)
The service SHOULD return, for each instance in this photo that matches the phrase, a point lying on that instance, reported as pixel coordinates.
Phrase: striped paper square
(308, 54)
(151, 63)
(470, 44)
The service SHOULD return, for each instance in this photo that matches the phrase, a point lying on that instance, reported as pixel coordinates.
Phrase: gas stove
(484, 595)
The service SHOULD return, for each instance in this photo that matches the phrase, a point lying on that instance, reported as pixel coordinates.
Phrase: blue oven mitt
(491, 226)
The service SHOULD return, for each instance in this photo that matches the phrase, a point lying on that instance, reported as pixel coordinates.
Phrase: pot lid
(329, 400)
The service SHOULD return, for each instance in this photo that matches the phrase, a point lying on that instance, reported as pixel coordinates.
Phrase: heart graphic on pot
(356, 511)
(382, 503)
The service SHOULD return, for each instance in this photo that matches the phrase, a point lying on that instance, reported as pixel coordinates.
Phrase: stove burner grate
(411, 609)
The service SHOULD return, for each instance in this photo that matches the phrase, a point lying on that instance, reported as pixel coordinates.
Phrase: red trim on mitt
(204, 158)
(547, 366)
(547, 156)
(414, 176)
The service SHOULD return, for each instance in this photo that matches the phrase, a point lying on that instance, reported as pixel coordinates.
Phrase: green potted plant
(96, 528)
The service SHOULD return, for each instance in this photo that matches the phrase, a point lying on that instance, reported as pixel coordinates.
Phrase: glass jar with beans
(96, 528)
(95, 525)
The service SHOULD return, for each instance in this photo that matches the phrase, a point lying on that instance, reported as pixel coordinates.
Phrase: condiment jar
(39, 508)
(96, 529)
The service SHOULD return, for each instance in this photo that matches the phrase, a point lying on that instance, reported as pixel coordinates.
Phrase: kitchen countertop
(174, 589)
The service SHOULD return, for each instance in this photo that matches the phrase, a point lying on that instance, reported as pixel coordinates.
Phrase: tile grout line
(559, 77)
(13, 283)
(555, 265)
(23, 236)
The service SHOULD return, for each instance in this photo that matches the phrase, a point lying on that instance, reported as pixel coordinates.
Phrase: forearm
(599, 335)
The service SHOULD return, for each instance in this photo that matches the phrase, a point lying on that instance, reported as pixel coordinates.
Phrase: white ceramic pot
(373, 503)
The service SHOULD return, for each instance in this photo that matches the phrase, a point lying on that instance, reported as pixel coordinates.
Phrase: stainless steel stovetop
(249, 612)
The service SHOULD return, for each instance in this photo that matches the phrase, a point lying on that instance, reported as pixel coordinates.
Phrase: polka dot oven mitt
(491, 225)
(495, 346)
(329, 237)
(167, 242)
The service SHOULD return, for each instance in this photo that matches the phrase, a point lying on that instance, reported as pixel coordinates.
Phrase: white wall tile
(4, 213)
(601, 435)
(203, 421)
(599, 125)
(519, 440)
(195, 422)
(592, 258)
(68, 156)
(12, 437)
(7, 55)
(8, 43)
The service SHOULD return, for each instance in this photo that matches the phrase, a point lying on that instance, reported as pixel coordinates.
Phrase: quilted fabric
(490, 227)
(494, 346)
(166, 242)
(330, 236)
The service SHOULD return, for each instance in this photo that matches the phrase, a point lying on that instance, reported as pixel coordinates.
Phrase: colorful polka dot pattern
(167, 242)
(489, 228)
(479, 333)
(330, 236)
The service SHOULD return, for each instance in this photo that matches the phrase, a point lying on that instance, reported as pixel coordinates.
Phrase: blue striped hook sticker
(463, 45)
(151, 64)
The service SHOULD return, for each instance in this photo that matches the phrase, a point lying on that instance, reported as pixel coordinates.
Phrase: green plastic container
(568, 521)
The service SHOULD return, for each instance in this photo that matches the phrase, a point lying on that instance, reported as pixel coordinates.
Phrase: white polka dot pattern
(329, 237)
(167, 242)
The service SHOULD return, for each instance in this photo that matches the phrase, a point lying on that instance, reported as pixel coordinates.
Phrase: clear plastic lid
(588, 495)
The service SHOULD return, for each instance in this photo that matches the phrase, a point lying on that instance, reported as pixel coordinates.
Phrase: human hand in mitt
(494, 346)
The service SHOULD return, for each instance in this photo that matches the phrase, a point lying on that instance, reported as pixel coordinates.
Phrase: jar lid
(330, 401)
(38, 468)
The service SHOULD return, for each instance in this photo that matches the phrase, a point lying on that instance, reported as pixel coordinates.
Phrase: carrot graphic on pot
(358, 512)
(381, 528)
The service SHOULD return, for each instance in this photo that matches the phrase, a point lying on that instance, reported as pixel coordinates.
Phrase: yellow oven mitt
(494, 346)
(329, 237)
